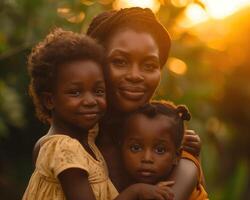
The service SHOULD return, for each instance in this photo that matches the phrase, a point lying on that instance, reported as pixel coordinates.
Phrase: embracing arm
(185, 176)
(143, 191)
(75, 184)
(186, 172)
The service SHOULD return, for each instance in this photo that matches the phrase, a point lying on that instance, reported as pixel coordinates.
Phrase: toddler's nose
(147, 157)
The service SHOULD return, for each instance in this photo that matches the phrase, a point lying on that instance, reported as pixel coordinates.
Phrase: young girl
(68, 90)
(151, 142)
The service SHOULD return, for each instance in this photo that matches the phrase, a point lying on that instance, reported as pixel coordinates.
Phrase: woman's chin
(127, 107)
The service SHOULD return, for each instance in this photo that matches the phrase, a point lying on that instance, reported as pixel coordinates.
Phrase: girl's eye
(100, 92)
(160, 149)
(74, 93)
(119, 62)
(135, 148)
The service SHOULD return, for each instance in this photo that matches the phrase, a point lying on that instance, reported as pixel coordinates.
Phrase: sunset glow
(214, 9)
(152, 4)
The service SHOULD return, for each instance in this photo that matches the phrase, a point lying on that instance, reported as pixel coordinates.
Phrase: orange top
(199, 192)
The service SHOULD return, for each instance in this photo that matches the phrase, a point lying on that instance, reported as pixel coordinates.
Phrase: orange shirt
(199, 192)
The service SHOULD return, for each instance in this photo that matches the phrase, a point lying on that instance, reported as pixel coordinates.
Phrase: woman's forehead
(128, 39)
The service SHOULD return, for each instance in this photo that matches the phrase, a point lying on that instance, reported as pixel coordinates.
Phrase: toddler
(151, 141)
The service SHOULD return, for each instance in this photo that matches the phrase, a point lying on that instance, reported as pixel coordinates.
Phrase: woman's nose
(147, 157)
(134, 74)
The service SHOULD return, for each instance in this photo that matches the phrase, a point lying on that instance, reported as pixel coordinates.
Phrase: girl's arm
(75, 184)
(146, 191)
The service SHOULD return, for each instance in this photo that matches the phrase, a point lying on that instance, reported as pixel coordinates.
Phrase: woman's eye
(151, 66)
(120, 62)
(160, 149)
(135, 148)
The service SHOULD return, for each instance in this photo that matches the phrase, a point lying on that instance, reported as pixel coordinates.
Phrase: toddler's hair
(177, 114)
(59, 47)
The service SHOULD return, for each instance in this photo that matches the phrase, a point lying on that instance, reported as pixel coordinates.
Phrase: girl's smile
(79, 95)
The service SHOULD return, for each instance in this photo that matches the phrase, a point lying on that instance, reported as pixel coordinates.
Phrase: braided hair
(104, 25)
(178, 114)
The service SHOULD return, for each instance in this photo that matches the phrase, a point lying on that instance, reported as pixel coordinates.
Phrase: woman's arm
(185, 176)
(75, 184)
(146, 191)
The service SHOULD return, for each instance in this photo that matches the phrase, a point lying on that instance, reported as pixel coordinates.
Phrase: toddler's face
(148, 150)
(78, 100)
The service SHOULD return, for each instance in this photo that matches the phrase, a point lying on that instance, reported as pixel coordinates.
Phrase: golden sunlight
(214, 9)
(220, 9)
(154, 5)
(69, 15)
(177, 66)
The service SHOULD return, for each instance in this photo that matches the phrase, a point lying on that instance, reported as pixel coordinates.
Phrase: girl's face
(78, 100)
(149, 152)
(133, 69)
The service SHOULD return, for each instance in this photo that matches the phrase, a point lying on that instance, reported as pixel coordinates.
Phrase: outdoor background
(208, 70)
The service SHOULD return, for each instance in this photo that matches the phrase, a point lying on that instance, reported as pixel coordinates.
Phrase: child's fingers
(166, 192)
(190, 132)
(194, 138)
(192, 144)
(165, 183)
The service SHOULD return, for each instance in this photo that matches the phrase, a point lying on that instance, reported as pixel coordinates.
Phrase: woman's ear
(48, 101)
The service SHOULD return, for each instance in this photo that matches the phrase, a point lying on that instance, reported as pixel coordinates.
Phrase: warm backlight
(152, 4)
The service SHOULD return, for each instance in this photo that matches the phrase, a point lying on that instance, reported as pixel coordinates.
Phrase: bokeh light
(177, 66)
(152, 4)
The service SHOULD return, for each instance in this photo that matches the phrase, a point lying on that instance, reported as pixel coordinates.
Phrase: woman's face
(133, 69)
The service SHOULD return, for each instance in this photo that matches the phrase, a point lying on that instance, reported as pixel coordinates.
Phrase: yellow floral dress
(60, 152)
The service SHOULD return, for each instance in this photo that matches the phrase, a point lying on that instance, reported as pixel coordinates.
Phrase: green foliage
(218, 99)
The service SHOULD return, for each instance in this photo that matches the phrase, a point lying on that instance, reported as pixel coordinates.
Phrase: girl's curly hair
(58, 47)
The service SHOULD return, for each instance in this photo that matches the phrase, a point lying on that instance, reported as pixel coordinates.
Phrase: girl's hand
(191, 142)
(161, 191)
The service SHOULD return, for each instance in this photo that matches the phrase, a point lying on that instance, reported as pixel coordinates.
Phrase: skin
(134, 70)
(128, 52)
(76, 103)
(148, 150)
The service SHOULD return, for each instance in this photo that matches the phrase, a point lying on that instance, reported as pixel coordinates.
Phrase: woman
(137, 48)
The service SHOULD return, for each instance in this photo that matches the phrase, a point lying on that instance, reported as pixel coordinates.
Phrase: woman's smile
(131, 92)
(132, 71)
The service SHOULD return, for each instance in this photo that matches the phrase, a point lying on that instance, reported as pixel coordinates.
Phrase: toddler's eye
(135, 148)
(160, 149)
(100, 92)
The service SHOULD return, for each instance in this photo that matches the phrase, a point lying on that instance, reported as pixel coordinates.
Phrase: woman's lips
(132, 93)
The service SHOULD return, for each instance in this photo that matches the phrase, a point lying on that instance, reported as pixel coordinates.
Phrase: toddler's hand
(191, 142)
(156, 192)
